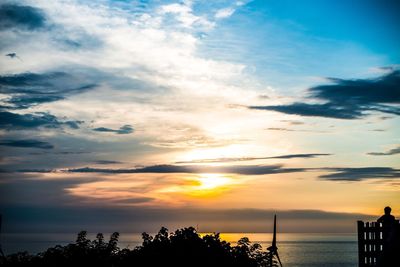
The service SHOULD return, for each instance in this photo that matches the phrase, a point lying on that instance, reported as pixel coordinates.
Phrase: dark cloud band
(334, 174)
(14, 121)
(23, 17)
(32, 89)
(348, 99)
(359, 174)
(393, 151)
(289, 156)
(28, 143)
(126, 129)
(235, 169)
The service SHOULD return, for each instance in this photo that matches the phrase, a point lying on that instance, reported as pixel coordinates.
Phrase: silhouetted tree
(82, 240)
(184, 247)
(112, 245)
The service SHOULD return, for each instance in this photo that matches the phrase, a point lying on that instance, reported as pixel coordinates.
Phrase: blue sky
(164, 107)
(308, 39)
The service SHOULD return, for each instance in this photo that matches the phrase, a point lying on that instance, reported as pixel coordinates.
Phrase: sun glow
(210, 181)
(202, 185)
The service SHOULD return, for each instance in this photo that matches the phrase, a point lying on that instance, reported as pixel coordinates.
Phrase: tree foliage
(184, 247)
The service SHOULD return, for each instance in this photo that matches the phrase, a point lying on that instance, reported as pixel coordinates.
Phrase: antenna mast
(1, 250)
(273, 249)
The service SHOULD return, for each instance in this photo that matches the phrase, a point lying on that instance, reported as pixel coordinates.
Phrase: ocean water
(311, 250)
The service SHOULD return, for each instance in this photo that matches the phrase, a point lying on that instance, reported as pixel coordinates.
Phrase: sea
(294, 249)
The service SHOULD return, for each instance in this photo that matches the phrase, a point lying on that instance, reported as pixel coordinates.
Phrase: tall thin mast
(273, 249)
(274, 236)
(1, 251)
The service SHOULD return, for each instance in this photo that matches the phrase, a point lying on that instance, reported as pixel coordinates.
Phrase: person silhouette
(388, 222)
(387, 219)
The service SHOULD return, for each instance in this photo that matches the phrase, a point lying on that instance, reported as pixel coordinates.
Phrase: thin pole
(1, 250)
(274, 236)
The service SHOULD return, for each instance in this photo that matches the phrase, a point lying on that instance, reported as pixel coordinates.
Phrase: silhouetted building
(379, 242)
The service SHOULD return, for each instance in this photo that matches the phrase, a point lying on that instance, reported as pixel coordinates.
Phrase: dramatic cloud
(26, 143)
(48, 202)
(30, 89)
(315, 110)
(22, 102)
(392, 151)
(334, 174)
(348, 99)
(358, 174)
(126, 129)
(176, 76)
(14, 121)
(290, 156)
(24, 17)
(339, 174)
(236, 169)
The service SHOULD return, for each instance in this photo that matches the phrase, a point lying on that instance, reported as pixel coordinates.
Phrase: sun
(210, 181)
(202, 185)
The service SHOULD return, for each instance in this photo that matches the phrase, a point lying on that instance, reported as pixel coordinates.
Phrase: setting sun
(211, 181)
(206, 184)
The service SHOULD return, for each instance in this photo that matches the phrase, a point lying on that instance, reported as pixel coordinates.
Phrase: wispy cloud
(15, 121)
(294, 130)
(359, 174)
(184, 14)
(290, 156)
(327, 110)
(31, 89)
(126, 129)
(235, 169)
(60, 153)
(333, 174)
(390, 152)
(28, 143)
(224, 13)
(348, 99)
(245, 170)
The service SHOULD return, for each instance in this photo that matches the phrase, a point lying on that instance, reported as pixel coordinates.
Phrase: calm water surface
(311, 250)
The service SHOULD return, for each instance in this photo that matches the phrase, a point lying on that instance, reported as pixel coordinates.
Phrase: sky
(120, 115)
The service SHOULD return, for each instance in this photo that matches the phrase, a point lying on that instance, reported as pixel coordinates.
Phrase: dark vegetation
(184, 247)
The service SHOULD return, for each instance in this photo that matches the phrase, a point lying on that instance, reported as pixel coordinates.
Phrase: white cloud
(184, 14)
(224, 13)
(155, 80)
